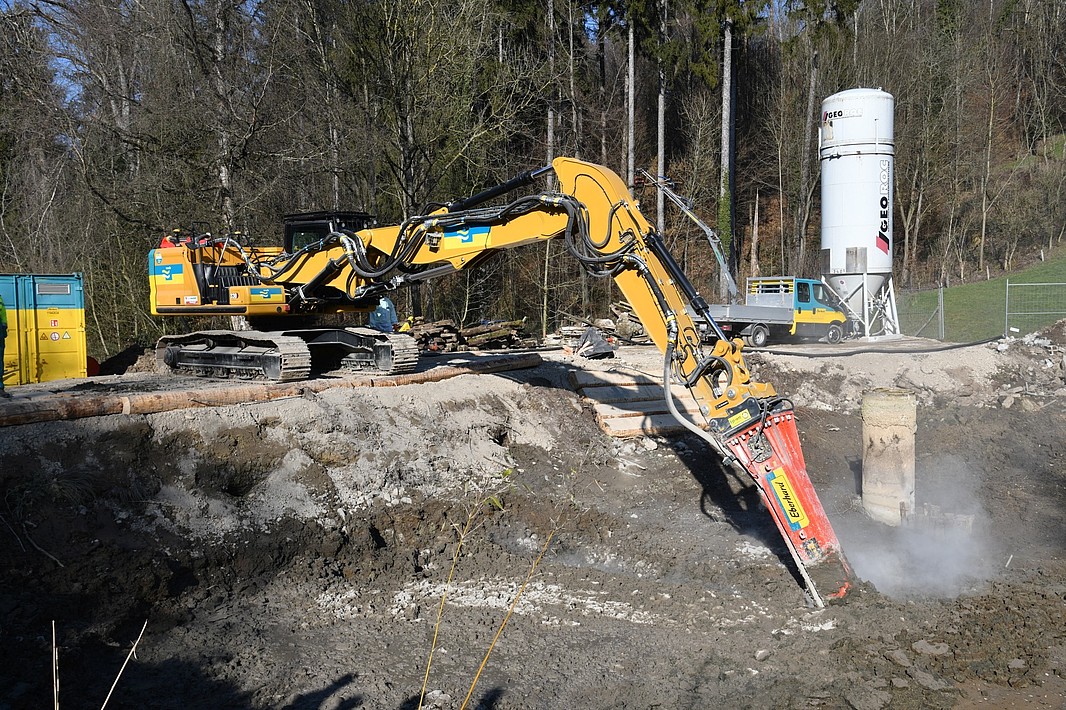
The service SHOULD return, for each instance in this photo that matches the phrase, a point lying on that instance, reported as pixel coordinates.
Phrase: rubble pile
(445, 336)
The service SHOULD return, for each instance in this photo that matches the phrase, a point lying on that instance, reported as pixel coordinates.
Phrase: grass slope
(976, 311)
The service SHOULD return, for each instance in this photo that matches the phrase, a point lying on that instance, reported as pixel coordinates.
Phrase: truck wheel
(760, 335)
(834, 334)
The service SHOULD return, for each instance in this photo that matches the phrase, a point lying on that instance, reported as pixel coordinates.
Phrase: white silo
(856, 148)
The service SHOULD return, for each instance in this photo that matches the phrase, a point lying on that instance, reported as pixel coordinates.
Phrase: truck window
(821, 295)
(803, 292)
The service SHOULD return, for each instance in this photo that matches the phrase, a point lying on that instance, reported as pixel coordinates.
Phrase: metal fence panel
(1029, 307)
(921, 313)
(961, 316)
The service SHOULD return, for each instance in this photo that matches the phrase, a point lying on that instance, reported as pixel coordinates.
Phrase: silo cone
(888, 423)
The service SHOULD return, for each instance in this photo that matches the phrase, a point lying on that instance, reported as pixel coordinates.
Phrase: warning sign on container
(55, 323)
(54, 336)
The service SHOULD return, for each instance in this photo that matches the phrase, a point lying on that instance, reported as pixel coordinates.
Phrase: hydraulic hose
(672, 406)
(882, 351)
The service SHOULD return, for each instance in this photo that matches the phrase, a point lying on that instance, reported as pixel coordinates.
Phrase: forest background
(123, 119)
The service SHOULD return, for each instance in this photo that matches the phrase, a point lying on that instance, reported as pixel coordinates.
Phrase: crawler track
(286, 356)
(246, 354)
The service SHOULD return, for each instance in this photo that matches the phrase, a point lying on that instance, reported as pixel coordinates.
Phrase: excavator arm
(746, 422)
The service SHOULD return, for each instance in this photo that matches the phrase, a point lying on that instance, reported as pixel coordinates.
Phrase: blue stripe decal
(167, 271)
(466, 236)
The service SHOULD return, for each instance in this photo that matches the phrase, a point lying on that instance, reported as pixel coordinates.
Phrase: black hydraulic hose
(727, 458)
(706, 364)
(414, 229)
(332, 267)
(658, 247)
(879, 351)
(581, 246)
(292, 261)
(637, 264)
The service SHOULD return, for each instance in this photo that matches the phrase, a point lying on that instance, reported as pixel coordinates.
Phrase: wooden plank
(636, 409)
(663, 424)
(629, 393)
(628, 404)
(598, 378)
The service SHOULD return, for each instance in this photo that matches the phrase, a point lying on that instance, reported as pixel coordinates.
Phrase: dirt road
(295, 553)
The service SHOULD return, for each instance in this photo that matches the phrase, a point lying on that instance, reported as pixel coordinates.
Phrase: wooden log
(492, 328)
(491, 335)
(502, 339)
(61, 406)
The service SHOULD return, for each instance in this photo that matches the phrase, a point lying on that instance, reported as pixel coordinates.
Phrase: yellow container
(45, 327)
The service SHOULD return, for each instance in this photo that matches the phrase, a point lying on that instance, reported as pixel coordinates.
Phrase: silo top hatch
(857, 121)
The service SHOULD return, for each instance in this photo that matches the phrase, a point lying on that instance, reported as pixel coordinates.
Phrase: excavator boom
(746, 422)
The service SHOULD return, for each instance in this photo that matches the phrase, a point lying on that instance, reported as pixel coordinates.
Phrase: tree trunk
(985, 204)
(601, 62)
(225, 175)
(544, 290)
(660, 140)
(551, 78)
(631, 156)
(804, 207)
(753, 267)
(725, 192)
(575, 123)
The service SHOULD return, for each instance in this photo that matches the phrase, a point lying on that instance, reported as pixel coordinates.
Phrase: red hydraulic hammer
(770, 451)
(750, 424)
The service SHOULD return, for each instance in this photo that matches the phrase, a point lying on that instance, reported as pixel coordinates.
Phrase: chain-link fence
(980, 311)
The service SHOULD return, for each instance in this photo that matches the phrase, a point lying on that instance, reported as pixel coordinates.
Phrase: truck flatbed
(737, 312)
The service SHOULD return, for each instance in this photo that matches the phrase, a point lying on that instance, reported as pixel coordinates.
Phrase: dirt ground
(295, 554)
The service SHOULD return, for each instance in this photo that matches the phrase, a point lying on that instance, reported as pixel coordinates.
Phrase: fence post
(1006, 309)
(940, 313)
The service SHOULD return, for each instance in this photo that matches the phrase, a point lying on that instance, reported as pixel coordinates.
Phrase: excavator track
(393, 353)
(286, 356)
(239, 354)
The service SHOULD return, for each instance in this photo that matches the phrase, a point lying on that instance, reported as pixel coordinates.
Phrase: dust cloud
(944, 549)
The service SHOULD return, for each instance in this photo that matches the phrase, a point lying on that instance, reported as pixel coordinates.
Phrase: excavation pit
(295, 554)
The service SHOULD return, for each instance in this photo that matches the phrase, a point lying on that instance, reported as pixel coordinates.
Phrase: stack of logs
(445, 336)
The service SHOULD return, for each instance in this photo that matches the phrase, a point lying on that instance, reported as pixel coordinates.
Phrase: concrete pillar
(888, 423)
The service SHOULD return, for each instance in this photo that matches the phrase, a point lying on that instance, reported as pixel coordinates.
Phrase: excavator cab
(307, 228)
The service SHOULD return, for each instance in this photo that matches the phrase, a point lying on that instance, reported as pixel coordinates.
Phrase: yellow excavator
(342, 262)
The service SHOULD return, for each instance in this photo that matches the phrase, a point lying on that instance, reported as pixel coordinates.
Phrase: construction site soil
(295, 553)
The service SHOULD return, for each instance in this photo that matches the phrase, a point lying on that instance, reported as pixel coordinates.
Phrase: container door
(59, 325)
(13, 345)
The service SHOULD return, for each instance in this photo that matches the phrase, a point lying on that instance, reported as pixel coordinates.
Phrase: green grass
(976, 311)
